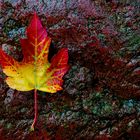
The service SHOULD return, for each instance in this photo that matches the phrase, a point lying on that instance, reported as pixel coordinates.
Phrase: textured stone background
(80, 111)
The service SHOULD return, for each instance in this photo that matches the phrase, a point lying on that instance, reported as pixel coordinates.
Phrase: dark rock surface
(84, 109)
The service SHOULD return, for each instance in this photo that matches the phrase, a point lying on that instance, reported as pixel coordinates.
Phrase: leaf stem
(35, 109)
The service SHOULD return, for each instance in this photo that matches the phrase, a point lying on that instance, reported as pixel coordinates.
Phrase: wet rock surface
(82, 110)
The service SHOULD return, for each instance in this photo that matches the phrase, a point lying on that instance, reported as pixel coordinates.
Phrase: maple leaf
(35, 71)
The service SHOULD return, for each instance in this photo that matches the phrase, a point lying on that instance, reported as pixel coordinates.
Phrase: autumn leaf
(35, 71)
